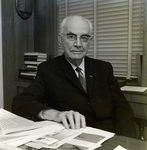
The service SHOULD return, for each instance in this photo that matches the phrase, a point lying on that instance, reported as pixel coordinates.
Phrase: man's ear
(60, 40)
(90, 41)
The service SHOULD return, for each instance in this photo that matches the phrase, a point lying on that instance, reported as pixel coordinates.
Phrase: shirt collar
(82, 65)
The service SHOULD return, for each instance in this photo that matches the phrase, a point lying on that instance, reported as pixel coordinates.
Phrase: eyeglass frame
(77, 36)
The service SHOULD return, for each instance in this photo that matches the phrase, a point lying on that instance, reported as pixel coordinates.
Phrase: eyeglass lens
(73, 37)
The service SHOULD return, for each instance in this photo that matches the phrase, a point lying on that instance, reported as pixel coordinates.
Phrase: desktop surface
(125, 142)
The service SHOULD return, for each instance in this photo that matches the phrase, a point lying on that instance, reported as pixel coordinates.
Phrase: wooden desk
(128, 143)
(138, 102)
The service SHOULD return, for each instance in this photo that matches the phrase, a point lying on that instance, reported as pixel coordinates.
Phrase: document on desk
(17, 131)
(19, 138)
(7, 147)
(10, 123)
(134, 88)
(58, 138)
(90, 138)
(86, 138)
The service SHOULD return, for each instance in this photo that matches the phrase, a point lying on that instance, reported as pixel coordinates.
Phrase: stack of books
(31, 62)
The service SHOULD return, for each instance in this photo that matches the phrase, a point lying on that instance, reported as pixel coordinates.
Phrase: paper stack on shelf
(18, 132)
(31, 62)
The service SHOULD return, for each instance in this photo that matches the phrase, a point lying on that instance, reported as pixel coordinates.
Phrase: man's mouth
(76, 52)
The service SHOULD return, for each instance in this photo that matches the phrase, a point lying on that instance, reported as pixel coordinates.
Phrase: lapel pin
(90, 76)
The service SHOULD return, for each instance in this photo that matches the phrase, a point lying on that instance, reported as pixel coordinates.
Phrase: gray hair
(74, 17)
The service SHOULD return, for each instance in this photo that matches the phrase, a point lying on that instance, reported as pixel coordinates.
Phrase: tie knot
(78, 69)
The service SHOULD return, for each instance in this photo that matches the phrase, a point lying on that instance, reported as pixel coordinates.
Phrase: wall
(45, 27)
(19, 36)
(1, 63)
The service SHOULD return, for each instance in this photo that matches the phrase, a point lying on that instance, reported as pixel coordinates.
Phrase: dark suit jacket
(57, 86)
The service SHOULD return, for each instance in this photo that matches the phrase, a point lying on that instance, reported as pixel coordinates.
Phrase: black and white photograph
(73, 74)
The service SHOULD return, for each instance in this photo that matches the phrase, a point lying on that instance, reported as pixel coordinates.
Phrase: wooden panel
(17, 38)
(138, 102)
(21, 85)
(45, 35)
(142, 99)
(140, 110)
(38, 33)
(1, 64)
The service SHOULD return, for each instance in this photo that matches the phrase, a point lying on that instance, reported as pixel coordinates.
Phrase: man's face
(76, 39)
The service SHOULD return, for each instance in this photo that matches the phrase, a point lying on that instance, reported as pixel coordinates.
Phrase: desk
(138, 102)
(128, 143)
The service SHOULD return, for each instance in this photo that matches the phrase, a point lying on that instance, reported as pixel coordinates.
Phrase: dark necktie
(81, 77)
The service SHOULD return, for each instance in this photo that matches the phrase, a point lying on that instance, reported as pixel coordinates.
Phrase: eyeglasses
(73, 37)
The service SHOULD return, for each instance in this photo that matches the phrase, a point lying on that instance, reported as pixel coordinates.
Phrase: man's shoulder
(96, 61)
(96, 66)
(51, 63)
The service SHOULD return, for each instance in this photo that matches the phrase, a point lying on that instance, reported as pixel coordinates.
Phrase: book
(28, 69)
(26, 77)
(31, 66)
(32, 62)
(34, 59)
(35, 54)
(28, 73)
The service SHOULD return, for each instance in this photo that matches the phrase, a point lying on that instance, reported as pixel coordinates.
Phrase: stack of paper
(134, 88)
(17, 131)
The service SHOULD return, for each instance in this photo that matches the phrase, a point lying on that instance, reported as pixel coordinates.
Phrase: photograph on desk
(85, 139)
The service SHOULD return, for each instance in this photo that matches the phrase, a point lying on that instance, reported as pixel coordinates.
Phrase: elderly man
(75, 89)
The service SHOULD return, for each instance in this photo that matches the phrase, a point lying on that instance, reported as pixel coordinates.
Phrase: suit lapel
(70, 73)
(89, 71)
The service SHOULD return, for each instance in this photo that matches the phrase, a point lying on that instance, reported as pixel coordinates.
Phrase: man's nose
(78, 42)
